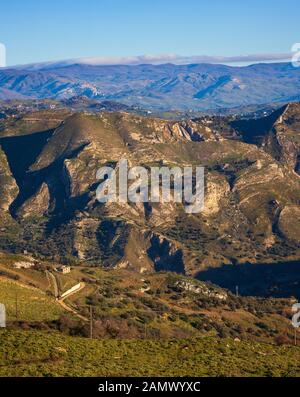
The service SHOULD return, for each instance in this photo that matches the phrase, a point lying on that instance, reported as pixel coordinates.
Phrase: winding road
(67, 294)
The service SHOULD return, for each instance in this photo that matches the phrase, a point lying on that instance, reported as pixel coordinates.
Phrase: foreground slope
(52, 354)
(159, 324)
(128, 305)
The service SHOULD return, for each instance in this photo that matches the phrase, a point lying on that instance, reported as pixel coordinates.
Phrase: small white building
(64, 269)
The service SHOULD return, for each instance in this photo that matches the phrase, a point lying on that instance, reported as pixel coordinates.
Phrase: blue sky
(35, 31)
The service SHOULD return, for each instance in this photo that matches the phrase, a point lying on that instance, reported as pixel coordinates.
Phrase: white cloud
(2, 55)
(162, 59)
(179, 59)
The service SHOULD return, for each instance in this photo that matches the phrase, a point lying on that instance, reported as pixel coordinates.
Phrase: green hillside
(38, 353)
(32, 304)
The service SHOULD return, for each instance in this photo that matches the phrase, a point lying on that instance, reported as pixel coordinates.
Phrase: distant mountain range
(197, 87)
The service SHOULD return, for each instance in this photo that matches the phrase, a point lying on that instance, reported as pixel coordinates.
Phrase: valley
(251, 213)
(227, 276)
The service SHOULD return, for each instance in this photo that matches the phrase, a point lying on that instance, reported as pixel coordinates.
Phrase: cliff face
(251, 193)
(8, 186)
(37, 205)
(283, 140)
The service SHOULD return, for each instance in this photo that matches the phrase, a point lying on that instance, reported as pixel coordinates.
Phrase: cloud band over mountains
(162, 59)
(179, 59)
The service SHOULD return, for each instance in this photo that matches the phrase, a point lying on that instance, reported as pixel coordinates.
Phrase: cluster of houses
(23, 265)
(28, 265)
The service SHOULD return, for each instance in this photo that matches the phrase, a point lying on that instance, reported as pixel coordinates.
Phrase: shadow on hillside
(281, 279)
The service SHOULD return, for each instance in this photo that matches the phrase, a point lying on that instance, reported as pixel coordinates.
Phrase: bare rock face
(37, 205)
(284, 139)
(289, 222)
(8, 186)
(201, 289)
(264, 188)
(79, 173)
(216, 188)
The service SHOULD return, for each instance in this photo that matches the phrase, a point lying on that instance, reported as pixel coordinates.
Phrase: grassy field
(40, 353)
(32, 304)
(187, 326)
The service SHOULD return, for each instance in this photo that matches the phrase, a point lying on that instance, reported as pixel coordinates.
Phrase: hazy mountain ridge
(160, 87)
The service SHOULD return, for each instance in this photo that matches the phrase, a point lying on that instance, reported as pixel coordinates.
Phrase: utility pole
(91, 322)
(17, 307)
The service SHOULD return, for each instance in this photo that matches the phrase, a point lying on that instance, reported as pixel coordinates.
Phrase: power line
(91, 322)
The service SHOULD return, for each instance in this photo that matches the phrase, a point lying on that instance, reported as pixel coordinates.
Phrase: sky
(38, 31)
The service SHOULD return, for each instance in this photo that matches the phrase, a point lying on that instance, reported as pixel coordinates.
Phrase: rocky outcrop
(289, 222)
(201, 289)
(37, 205)
(216, 189)
(8, 186)
(283, 141)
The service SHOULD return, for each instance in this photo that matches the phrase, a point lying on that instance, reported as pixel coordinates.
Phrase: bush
(281, 340)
